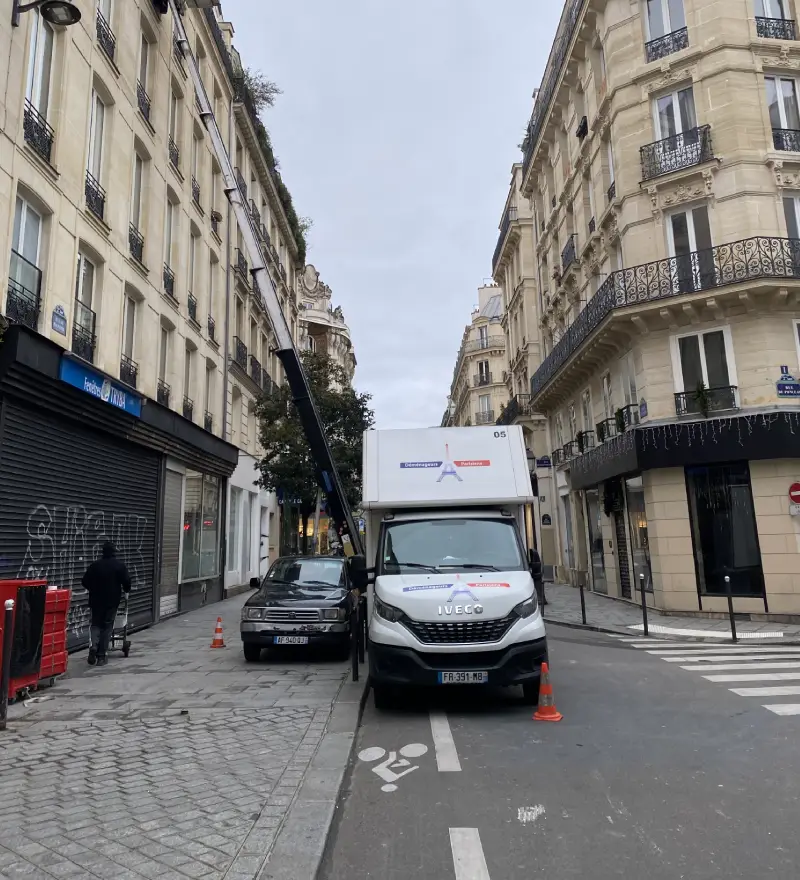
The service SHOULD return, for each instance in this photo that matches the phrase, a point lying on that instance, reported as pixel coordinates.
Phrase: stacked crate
(54, 644)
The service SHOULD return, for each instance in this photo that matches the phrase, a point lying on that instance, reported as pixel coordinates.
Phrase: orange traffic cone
(218, 641)
(546, 710)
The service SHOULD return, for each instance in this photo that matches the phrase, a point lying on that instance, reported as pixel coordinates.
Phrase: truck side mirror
(357, 568)
(534, 563)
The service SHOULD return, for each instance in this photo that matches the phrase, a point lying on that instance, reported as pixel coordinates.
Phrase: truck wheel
(252, 653)
(530, 693)
(382, 695)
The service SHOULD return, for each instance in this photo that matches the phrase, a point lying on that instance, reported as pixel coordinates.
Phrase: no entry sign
(794, 493)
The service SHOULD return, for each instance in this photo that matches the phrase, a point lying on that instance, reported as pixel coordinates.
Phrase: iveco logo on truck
(460, 609)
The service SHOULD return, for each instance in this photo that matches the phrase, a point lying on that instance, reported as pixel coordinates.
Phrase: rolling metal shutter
(64, 491)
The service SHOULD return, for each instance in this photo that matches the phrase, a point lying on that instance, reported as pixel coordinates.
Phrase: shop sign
(59, 320)
(642, 409)
(787, 386)
(86, 379)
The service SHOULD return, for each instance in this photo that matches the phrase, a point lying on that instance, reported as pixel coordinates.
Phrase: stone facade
(322, 326)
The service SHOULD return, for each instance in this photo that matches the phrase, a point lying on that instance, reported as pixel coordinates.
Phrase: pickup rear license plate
(291, 640)
(463, 677)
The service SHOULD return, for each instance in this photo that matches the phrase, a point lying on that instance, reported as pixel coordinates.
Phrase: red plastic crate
(55, 664)
(55, 623)
(54, 643)
(57, 602)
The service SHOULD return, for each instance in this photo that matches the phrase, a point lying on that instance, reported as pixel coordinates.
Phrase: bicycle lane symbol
(387, 769)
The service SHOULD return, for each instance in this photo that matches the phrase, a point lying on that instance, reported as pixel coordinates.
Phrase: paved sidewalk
(612, 615)
(178, 762)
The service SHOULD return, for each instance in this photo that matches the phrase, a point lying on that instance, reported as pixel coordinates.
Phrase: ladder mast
(327, 474)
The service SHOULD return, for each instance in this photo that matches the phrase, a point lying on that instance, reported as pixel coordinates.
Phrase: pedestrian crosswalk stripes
(764, 667)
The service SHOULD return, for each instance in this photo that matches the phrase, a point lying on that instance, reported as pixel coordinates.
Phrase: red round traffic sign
(794, 493)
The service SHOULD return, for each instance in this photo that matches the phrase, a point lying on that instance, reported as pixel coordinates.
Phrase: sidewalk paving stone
(178, 762)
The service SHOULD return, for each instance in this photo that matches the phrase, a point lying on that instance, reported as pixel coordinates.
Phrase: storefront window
(200, 527)
(596, 551)
(724, 529)
(233, 528)
(640, 548)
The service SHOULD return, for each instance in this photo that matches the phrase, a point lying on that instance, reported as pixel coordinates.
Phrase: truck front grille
(461, 633)
(285, 615)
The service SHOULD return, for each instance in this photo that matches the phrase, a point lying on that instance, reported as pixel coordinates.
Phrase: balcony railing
(482, 379)
(95, 196)
(585, 441)
(666, 45)
(612, 191)
(582, 129)
(592, 226)
(557, 458)
(509, 413)
(239, 354)
(682, 150)
(749, 259)
(707, 400)
(241, 183)
(241, 264)
(786, 139)
(23, 298)
(605, 430)
(188, 408)
(177, 51)
(105, 36)
(212, 329)
(174, 153)
(282, 272)
(484, 344)
(84, 340)
(216, 219)
(776, 28)
(485, 417)
(571, 450)
(208, 422)
(195, 191)
(38, 134)
(570, 253)
(509, 217)
(162, 392)
(169, 281)
(128, 371)
(255, 370)
(192, 306)
(143, 100)
(630, 415)
(267, 385)
(136, 244)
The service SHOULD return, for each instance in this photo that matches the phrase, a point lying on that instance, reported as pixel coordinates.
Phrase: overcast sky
(396, 132)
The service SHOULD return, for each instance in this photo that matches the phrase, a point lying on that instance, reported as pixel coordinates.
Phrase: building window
(723, 525)
(136, 195)
(640, 544)
(40, 64)
(772, 21)
(586, 410)
(612, 186)
(704, 372)
(170, 228)
(559, 431)
(784, 115)
(208, 396)
(608, 397)
(689, 241)
(483, 373)
(96, 131)
(483, 337)
(666, 28)
(628, 379)
(163, 354)
(84, 325)
(24, 276)
(128, 326)
(201, 534)
(174, 129)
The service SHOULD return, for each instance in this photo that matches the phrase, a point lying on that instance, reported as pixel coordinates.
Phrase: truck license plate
(463, 677)
(291, 640)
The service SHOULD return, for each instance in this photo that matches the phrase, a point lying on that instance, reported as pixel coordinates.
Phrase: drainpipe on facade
(226, 347)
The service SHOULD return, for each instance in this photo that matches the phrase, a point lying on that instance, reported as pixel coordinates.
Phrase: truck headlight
(527, 608)
(387, 612)
(252, 613)
(334, 613)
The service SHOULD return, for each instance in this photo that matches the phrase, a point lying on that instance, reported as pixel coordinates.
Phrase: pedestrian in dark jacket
(105, 580)
(537, 575)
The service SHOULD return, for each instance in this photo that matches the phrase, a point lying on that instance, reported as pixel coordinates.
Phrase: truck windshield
(451, 545)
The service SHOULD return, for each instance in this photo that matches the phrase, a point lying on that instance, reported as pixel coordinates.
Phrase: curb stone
(300, 845)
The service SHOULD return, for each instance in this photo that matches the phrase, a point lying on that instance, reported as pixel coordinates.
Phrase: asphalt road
(654, 773)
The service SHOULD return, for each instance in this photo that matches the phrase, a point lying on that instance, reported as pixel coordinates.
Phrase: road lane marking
(789, 691)
(717, 649)
(784, 708)
(765, 676)
(446, 754)
(468, 859)
(669, 646)
(705, 633)
(730, 667)
(722, 658)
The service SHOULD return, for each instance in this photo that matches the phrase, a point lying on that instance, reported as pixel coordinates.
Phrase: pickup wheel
(382, 695)
(530, 693)
(252, 653)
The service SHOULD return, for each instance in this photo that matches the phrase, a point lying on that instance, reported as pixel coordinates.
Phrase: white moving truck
(452, 599)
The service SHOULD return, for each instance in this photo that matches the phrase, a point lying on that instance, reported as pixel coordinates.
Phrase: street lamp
(61, 12)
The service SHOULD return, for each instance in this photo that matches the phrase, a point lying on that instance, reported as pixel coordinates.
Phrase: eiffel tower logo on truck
(448, 468)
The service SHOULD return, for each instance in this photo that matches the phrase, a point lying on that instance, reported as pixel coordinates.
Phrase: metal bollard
(361, 621)
(355, 624)
(5, 668)
(583, 602)
(644, 604)
(734, 637)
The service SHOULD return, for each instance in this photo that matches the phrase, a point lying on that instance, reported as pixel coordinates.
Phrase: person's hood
(109, 551)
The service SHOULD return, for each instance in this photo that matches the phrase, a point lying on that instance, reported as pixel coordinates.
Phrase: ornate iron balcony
(216, 219)
(38, 134)
(136, 244)
(212, 328)
(592, 226)
(239, 353)
(192, 306)
(162, 392)
(682, 150)
(553, 202)
(84, 340)
(196, 191)
(255, 370)
(143, 100)
(188, 408)
(510, 412)
(509, 217)
(612, 191)
(666, 45)
(484, 344)
(605, 430)
(95, 196)
(707, 400)
(787, 139)
(23, 298)
(571, 450)
(485, 417)
(776, 28)
(585, 441)
(557, 457)
(569, 255)
(128, 371)
(582, 129)
(482, 379)
(746, 260)
(176, 50)
(282, 272)
(105, 36)
(208, 422)
(630, 415)
(267, 385)
(174, 153)
(241, 264)
(169, 281)
(240, 182)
